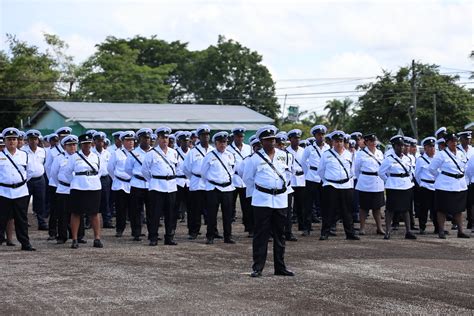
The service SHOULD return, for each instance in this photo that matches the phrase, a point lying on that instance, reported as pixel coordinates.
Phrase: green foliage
(339, 113)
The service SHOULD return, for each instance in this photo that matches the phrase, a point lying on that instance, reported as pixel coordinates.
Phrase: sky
(315, 50)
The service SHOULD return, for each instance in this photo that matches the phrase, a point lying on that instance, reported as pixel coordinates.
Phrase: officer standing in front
(15, 171)
(265, 172)
(105, 180)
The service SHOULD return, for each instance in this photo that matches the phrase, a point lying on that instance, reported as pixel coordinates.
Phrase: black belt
(428, 181)
(139, 177)
(88, 173)
(103, 177)
(64, 183)
(299, 173)
(163, 177)
(122, 179)
(399, 175)
(196, 175)
(452, 175)
(270, 191)
(225, 184)
(369, 173)
(36, 178)
(13, 186)
(338, 181)
(313, 168)
(181, 176)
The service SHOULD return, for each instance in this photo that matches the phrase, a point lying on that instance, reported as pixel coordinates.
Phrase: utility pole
(435, 124)
(284, 106)
(413, 99)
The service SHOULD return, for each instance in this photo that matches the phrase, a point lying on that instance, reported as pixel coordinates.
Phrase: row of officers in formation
(279, 179)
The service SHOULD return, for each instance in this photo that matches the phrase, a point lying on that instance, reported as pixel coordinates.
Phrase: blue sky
(298, 39)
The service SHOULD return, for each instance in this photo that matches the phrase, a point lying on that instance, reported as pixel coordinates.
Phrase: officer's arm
(146, 166)
(129, 165)
(470, 169)
(436, 163)
(69, 168)
(386, 163)
(205, 165)
(187, 165)
(55, 169)
(418, 168)
(111, 164)
(29, 167)
(249, 172)
(48, 162)
(304, 159)
(357, 164)
(322, 167)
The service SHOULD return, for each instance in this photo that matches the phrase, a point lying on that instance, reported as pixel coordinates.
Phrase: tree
(384, 107)
(339, 113)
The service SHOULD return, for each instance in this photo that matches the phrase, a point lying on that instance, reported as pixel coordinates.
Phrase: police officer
(450, 185)
(369, 186)
(217, 169)
(192, 169)
(426, 182)
(159, 169)
(265, 172)
(397, 175)
(139, 197)
(464, 146)
(37, 183)
(470, 180)
(83, 171)
(59, 176)
(105, 180)
(183, 201)
(15, 171)
(121, 180)
(310, 162)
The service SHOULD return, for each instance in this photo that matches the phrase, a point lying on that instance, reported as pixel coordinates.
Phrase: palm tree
(339, 112)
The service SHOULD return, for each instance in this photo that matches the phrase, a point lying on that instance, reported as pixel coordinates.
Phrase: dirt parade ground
(426, 276)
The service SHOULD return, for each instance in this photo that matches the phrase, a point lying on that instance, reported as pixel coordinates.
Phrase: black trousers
(162, 204)
(138, 199)
(122, 209)
(182, 198)
(37, 189)
(313, 192)
(53, 212)
(269, 221)
(337, 203)
(64, 217)
(426, 199)
(214, 199)
(249, 224)
(194, 213)
(296, 203)
(238, 192)
(289, 215)
(104, 208)
(355, 203)
(16, 209)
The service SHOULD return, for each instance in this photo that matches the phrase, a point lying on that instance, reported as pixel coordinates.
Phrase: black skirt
(84, 202)
(371, 200)
(399, 201)
(426, 198)
(450, 202)
(470, 196)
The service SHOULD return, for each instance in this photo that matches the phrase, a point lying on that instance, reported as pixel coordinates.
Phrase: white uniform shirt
(330, 169)
(213, 170)
(297, 176)
(412, 163)
(311, 158)
(470, 171)
(58, 174)
(392, 164)
(240, 171)
(181, 179)
(258, 172)
(239, 155)
(10, 175)
(133, 166)
(157, 163)
(76, 164)
(37, 159)
(423, 176)
(469, 153)
(442, 162)
(104, 156)
(50, 155)
(192, 167)
(368, 162)
(116, 168)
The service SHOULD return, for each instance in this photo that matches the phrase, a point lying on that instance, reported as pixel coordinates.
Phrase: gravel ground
(374, 276)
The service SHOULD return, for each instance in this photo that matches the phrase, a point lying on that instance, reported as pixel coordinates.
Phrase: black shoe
(192, 237)
(316, 220)
(98, 244)
(10, 243)
(454, 227)
(142, 235)
(413, 227)
(332, 233)
(410, 235)
(153, 243)
(43, 227)
(82, 241)
(395, 226)
(51, 238)
(379, 232)
(352, 237)
(422, 231)
(305, 233)
(256, 274)
(171, 242)
(60, 241)
(460, 235)
(119, 234)
(291, 238)
(442, 235)
(285, 273)
(209, 241)
(229, 241)
(182, 220)
(136, 239)
(109, 225)
(324, 237)
(75, 244)
(386, 236)
(28, 248)
(217, 236)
